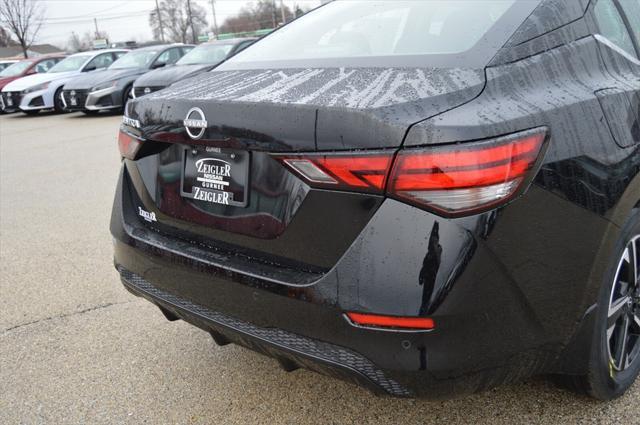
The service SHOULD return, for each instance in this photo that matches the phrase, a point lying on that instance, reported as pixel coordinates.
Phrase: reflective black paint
(511, 290)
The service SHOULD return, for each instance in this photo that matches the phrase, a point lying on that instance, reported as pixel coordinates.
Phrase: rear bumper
(292, 351)
(497, 318)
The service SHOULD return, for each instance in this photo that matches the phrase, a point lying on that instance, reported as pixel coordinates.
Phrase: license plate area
(216, 176)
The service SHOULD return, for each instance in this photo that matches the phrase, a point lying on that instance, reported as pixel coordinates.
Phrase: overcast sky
(122, 20)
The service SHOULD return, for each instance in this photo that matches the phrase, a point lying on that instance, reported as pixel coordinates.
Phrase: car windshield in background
(206, 54)
(72, 63)
(15, 69)
(137, 59)
(355, 29)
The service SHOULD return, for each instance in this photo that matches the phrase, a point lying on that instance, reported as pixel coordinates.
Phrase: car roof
(49, 56)
(232, 40)
(153, 47)
(98, 51)
(30, 60)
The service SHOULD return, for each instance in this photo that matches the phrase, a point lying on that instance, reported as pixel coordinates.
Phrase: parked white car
(34, 93)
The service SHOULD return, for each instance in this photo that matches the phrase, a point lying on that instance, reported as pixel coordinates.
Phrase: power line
(85, 15)
(102, 18)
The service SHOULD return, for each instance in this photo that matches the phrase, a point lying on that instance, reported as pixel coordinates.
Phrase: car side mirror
(158, 65)
(90, 68)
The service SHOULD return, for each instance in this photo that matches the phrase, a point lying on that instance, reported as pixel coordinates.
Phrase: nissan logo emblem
(195, 124)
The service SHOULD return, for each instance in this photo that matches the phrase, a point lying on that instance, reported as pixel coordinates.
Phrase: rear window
(386, 29)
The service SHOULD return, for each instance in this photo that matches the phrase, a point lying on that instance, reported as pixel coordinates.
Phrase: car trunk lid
(241, 118)
(307, 109)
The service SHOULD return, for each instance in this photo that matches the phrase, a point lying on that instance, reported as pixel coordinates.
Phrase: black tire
(607, 378)
(58, 106)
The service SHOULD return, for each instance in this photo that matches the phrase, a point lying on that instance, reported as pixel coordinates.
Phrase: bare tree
(5, 38)
(262, 15)
(80, 44)
(176, 25)
(298, 11)
(75, 43)
(23, 18)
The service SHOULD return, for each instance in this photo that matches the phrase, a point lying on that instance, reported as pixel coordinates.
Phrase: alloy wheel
(623, 319)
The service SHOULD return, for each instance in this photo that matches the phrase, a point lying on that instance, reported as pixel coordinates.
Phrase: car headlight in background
(36, 88)
(106, 85)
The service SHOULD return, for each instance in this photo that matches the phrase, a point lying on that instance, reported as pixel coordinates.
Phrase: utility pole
(193, 30)
(160, 21)
(284, 16)
(95, 22)
(273, 13)
(215, 20)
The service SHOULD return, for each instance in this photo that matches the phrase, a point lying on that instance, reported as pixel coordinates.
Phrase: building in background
(15, 52)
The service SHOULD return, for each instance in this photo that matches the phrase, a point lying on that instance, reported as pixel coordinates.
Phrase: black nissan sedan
(203, 58)
(426, 198)
(111, 89)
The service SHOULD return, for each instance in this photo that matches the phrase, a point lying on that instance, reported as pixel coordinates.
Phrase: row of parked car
(102, 80)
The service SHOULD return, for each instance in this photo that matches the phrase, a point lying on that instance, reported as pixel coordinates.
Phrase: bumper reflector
(391, 322)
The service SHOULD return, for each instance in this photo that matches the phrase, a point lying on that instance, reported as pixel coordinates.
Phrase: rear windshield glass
(206, 54)
(383, 28)
(72, 63)
(135, 59)
(15, 69)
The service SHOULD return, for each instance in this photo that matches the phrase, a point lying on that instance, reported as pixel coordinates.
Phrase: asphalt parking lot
(76, 348)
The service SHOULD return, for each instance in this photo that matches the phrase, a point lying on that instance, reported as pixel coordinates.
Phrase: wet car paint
(309, 108)
(512, 290)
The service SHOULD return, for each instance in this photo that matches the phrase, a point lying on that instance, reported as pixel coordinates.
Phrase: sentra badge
(195, 123)
(130, 122)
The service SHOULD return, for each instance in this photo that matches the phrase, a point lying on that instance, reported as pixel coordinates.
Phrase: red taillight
(364, 172)
(466, 177)
(128, 145)
(391, 322)
(451, 180)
